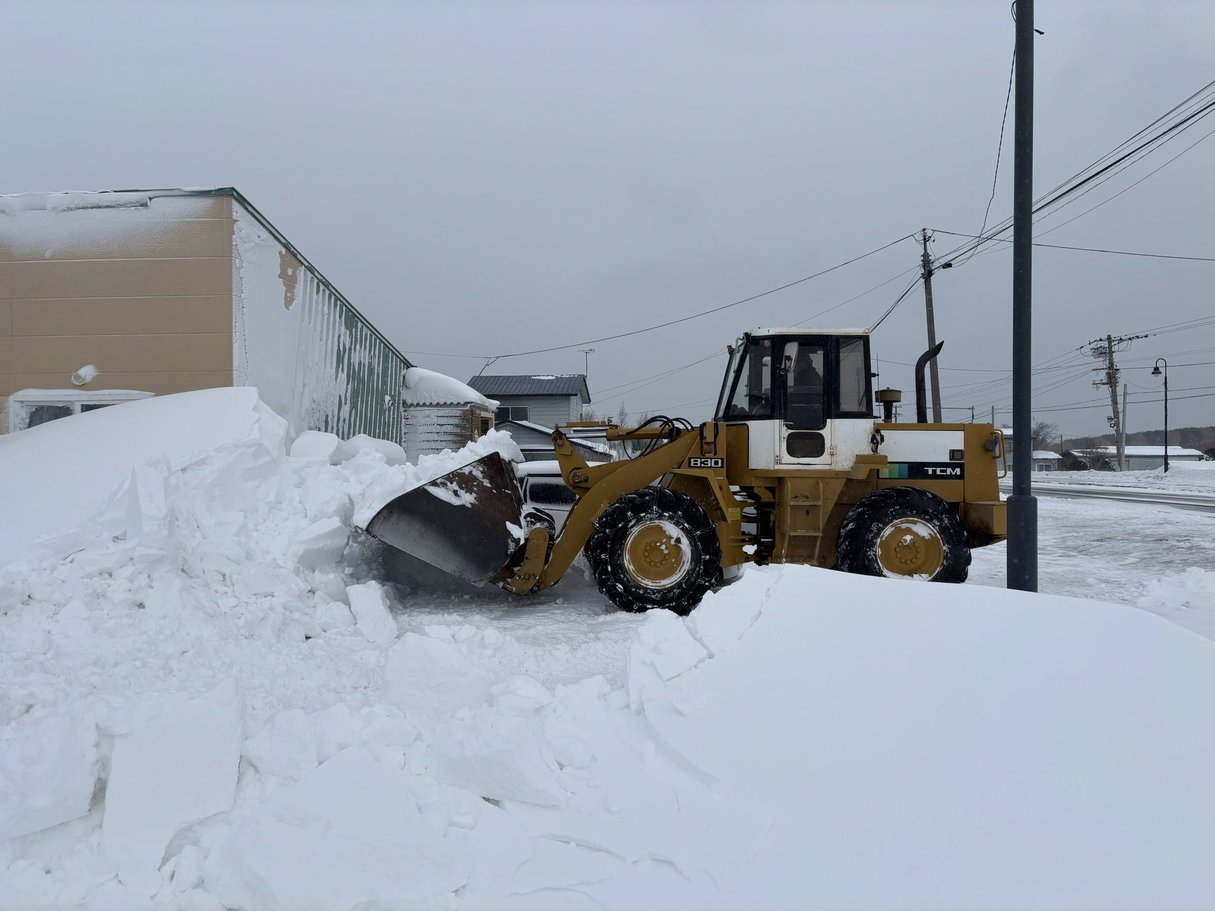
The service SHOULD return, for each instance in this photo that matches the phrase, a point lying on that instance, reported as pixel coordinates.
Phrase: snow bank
(60, 472)
(216, 701)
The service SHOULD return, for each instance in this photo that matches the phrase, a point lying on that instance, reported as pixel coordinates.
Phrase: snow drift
(213, 699)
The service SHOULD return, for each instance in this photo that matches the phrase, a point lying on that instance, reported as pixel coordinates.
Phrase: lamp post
(1156, 372)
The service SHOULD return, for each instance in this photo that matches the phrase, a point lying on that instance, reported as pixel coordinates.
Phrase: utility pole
(1103, 349)
(586, 360)
(1022, 553)
(926, 274)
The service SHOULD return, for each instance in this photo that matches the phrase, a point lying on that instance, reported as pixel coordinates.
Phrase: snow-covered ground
(212, 700)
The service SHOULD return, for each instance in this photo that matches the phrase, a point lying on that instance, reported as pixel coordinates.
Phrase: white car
(543, 488)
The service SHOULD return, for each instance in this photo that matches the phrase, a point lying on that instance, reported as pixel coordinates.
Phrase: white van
(543, 488)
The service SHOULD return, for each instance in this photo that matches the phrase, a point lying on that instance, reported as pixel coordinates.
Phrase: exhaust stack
(921, 397)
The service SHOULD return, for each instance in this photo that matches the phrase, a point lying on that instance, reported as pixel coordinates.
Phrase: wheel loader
(794, 468)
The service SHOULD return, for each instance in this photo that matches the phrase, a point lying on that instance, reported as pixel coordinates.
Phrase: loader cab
(804, 395)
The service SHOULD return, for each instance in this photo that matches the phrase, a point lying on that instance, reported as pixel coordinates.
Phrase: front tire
(905, 531)
(654, 548)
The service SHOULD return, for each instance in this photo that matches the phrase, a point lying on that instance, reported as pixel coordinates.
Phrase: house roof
(565, 384)
(1046, 454)
(547, 433)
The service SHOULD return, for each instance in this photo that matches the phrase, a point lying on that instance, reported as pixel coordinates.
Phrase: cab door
(804, 435)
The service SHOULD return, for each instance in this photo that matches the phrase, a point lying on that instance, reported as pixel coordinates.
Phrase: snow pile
(65, 471)
(214, 701)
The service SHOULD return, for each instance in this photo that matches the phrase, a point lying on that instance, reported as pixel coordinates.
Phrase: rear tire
(905, 531)
(654, 548)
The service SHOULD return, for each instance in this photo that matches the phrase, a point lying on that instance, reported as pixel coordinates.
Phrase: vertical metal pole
(1122, 433)
(1166, 418)
(1022, 505)
(926, 274)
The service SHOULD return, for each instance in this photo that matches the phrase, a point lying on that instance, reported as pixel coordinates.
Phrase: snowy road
(1181, 500)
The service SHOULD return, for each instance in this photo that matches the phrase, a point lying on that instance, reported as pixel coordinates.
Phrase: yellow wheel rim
(910, 547)
(656, 554)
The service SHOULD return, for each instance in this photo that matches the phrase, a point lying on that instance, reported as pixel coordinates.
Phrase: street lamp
(1156, 372)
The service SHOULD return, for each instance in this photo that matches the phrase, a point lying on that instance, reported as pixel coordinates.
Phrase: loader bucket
(458, 522)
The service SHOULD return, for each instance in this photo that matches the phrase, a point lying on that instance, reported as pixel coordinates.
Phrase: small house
(438, 412)
(547, 400)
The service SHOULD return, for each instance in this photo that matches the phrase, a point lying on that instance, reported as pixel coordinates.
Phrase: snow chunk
(289, 745)
(48, 767)
(432, 678)
(174, 770)
(724, 617)
(334, 615)
(392, 452)
(426, 387)
(320, 544)
(499, 756)
(371, 613)
(315, 444)
(348, 833)
(664, 649)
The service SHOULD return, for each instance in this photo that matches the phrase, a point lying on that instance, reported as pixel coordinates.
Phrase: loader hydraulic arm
(598, 487)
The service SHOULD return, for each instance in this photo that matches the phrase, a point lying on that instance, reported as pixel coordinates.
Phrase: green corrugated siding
(351, 376)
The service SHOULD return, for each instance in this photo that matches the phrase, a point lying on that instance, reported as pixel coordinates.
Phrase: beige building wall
(141, 289)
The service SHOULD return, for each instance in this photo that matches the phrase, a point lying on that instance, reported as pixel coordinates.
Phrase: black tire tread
(604, 548)
(859, 530)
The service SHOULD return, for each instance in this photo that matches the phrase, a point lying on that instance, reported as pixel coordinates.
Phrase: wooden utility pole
(1104, 350)
(934, 377)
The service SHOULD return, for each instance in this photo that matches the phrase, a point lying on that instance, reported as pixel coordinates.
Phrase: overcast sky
(489, 178)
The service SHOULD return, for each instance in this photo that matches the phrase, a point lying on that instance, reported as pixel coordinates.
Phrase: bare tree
(1042, 435)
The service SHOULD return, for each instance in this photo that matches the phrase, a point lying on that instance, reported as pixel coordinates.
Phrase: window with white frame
(31, 407)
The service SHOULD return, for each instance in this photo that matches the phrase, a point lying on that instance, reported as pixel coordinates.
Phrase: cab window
(751, 396)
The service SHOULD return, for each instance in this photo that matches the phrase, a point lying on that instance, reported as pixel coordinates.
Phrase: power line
(1082, 178)
(898, 300)
(1005, 240)
(682, 319)
(1012, 68)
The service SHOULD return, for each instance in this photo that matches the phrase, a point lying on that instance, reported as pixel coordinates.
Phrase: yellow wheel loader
(794, 468)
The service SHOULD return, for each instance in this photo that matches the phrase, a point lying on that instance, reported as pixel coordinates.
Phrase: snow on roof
(1149, 451)
(565, 384)
(1046, 454)
(426, 387)
(548, 432)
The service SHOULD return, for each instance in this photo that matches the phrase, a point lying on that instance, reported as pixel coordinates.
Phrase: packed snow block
(392, 452)
(147, 501)
(176, 769)
(48, 768)
(371, 612)
(432, 679)
(499, 755)
(288, 745)
(321, 543)
(315, 444)
(724, 617)
(348, 833)
(333, 615)
(663, 649)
